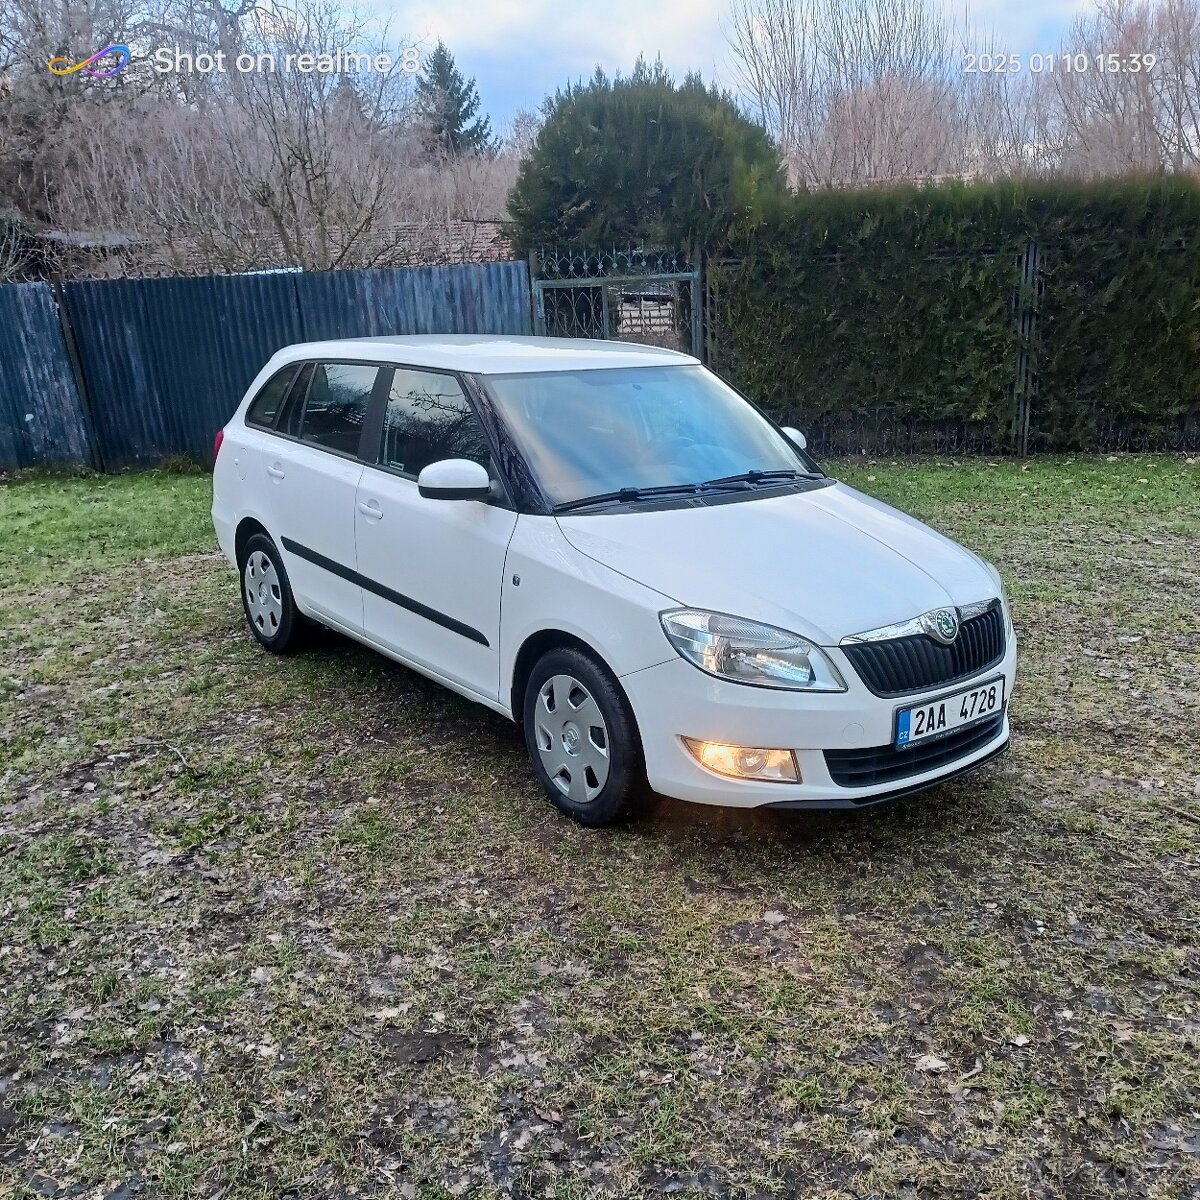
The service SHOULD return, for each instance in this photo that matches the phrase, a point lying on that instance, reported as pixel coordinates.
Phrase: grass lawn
(307, 928)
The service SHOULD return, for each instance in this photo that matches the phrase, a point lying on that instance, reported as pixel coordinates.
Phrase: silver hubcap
(264, 598)
(572, 738)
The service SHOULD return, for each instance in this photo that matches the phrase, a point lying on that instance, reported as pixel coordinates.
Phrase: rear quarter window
(265, 406)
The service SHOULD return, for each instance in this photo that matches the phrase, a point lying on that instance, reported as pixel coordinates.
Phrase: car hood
(824, 563)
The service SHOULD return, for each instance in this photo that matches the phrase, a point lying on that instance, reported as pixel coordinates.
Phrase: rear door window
(336, 405)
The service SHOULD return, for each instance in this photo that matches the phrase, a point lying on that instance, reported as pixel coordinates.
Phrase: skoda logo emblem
(945, 624)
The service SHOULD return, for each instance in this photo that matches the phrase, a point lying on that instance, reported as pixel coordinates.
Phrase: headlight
(747, 652)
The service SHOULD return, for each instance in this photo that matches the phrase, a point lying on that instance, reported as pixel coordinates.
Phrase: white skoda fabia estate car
(609, 545)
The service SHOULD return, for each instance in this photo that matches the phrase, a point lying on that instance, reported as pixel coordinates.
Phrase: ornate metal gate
(649, 296)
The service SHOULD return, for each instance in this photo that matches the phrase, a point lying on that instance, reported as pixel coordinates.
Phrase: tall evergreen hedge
(888, 320)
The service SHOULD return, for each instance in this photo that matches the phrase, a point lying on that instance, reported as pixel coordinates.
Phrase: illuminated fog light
(745, 762)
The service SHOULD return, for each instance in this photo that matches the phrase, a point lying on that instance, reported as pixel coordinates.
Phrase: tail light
(217, 445)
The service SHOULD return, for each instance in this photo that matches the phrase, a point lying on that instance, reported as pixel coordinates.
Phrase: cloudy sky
(520, 50)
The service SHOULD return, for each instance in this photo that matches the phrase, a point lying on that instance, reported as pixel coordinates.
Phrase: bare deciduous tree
(854, 90)
(1175, 81)
(12, 251)
(231, 170)
(40, 111)
(518, 140)
(1117, 119)
(1108, 117)
(874, 90)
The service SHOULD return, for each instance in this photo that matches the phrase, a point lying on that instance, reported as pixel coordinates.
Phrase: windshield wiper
(752, 477)
(627, 495)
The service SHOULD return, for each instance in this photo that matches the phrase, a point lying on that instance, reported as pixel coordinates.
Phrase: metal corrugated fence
(164, 362)
(41, 415)
(479, 298)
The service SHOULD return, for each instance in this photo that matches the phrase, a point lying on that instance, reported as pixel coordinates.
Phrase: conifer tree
(447, 107)
(642, 158)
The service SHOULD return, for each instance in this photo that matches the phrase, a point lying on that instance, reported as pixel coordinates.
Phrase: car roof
(489, 354)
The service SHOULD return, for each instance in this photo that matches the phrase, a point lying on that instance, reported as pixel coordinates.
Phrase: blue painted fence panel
(167, 360)
(41, 415)
(477, 298)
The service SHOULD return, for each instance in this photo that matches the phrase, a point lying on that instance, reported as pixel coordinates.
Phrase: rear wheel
(582, 738)
(267, 598)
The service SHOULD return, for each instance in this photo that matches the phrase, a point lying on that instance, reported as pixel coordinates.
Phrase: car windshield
(597, 433)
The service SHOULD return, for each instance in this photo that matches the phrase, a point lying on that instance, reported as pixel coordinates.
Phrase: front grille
(918, 662)
(883, 764)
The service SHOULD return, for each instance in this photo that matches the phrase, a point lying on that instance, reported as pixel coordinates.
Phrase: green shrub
(642, 158)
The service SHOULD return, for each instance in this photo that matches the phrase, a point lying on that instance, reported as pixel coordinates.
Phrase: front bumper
(854, 799)
(674, 699)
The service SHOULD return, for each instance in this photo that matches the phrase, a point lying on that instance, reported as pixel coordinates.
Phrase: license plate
(948, 713)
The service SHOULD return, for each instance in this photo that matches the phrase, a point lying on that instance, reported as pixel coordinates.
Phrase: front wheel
(267, 597)
(582, 738)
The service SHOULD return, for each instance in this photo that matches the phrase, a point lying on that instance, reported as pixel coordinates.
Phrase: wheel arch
(247, 528)
(532, 649)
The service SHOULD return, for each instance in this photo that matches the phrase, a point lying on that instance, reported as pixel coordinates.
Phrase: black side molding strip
(370, 585)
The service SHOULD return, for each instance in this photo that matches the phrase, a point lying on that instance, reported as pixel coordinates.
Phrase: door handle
(371, 509)
(275, 471)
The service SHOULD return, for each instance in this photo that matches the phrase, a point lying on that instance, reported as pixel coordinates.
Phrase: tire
(582, 738)
(270, 608)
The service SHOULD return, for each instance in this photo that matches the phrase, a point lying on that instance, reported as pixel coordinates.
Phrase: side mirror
(794, 435)
(454, 479)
